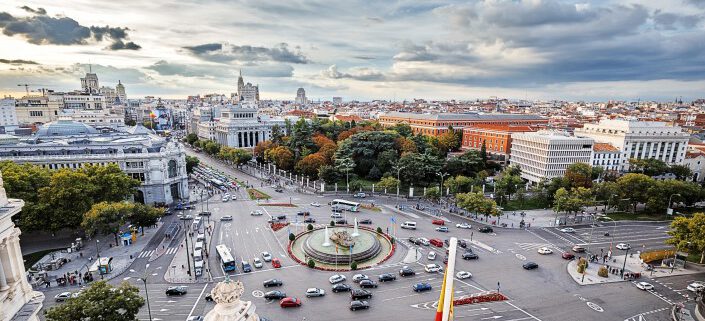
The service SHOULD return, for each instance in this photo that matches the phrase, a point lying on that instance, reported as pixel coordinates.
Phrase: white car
(431, 255)
(227, 218)
(696, 286)
(257, 262)
(226, 198)
(256, 213)
(233, 198)
(424, 241)
(266, 256)
(545, 250)
(463, 275)
(623, 246)
(433, 268)
(313, 292)
(337, 278)
(568, 230)
(316, 204)
(644, 286)
(359, 277)
(336, 215)
(463, 225)
(61, 297)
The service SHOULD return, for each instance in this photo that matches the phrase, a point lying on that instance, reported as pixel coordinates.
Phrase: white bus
(225, 258)
(345, 205)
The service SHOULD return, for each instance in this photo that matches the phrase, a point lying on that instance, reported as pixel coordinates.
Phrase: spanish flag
(441, 300)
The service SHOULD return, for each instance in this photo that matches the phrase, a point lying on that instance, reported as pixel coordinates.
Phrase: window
(172, 169)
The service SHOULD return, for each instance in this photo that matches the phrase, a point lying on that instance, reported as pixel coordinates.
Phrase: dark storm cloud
(18, 62)
(42, 29)
(227, 53)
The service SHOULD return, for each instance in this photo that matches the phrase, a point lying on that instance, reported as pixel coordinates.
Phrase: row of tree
(236, 156)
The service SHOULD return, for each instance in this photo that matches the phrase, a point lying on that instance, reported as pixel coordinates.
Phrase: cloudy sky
(361, 49)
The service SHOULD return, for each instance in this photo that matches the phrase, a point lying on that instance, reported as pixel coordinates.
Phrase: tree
(311, 263)
(448, 141)
(328, 174)
(309, 227)
(388, 183)
(660, 193)
(508, 183)
(459, 184)
(100, 301)
(345, 165)
(277, 136)
(648, 166)
(106, 218)
(130, 122)
(22, 181)
(682, 172)
(65, 200)
(571, 201)
(292, 237)
(191, 163)
(310, 164)
(356, 185)
(262, 148)
(578, 175)
(282, 157)
(483, 152)
(144, 215)
(420, 169)
(635, 187)
(689, 233)
(353, 265)
(364, 148)
(300, 140)
(109, 183)
(477, 203)
(433, 194)
(402, 129)
(191, 138)
(211, 148)
(374, 173)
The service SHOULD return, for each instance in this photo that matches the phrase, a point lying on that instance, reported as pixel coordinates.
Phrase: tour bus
(198, 262)
(345, 205)
(225, 257)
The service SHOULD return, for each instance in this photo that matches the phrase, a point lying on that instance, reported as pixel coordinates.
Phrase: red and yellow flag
(441, 299)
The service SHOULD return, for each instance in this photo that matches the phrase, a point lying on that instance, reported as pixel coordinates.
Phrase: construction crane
(26, 87)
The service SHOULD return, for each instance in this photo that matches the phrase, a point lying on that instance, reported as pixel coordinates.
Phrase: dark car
(281, 217)
(407, 271)
(272, 282)
(530, 265)
(341, 221)
(368, 284)
(486, 229)
(387, 277)
(302, 213)
(310, 220)
(568, 255)
(341, 287)
(421, 287)
(360, 294)
(470, 256)
(176, 290)
(365, 221)
(246, 267)
(274, 295)
(279, 190)
(357, 305)
(209, 297)
(463, 244)
(447, 242)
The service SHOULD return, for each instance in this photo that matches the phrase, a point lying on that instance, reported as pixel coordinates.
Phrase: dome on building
(65, 128)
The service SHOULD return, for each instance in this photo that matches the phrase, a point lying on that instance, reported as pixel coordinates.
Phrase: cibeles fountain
(338, 246)
(228, 306)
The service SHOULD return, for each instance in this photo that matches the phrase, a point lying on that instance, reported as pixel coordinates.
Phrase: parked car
(226, 198)
(578, 249)
(485, 229)
(276, 263)
(530, 265)
(233, 198)
(424, 241)
(336, 278)
(186, 217)
(359, 277)
(463, 225)
(341, 287)
(545, 250)
(365, 221)
(279, 190)
(256, 213)
(281, 217)
(438, 222)
(442, 229)
(315, 292)
(360, 195)
(436, 242)
(469, 255)
(310, 220)
(266, 256)
(433, 268)
(623, 246)
(257, 263)
(360, 294)
(386, 277)
(63, 296)
(644, 286)
(406, 271)
(357, 305)
(275, 295)
(568, 255)
(316, 204)
(463, 275)
(422, 287)
(272, 282)
(431, 255)
(368, 284)
(176, 290)
(290, 302)
(568, 230)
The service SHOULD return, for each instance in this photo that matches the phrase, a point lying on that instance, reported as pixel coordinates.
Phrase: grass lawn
(255, 194)
(528, 204)
(32, 258)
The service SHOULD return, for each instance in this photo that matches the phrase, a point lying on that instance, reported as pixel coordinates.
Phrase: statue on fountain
(342, 238)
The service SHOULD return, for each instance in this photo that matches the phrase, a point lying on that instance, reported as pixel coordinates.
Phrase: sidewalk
(177, 271)
(123, 256)
(633, 265)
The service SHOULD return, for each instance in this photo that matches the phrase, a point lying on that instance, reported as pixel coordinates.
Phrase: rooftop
(462, 117)
(604, 147)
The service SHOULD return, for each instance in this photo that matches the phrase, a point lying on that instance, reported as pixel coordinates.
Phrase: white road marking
(197, 301)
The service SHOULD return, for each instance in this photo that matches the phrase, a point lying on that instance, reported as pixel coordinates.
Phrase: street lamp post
(608, 202)
(587, 253)
(97, 253)
(669, 201)
(146, 293)
(188, 260)
(624, 265)
(442, 175)
(399, 168)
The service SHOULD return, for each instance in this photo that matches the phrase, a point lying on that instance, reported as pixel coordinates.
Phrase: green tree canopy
(689, 234)
(191, 138)
(191, 163)
(100, 301)
(106, 218)
(420, 169)
(65, 200)
(635, 187)
(578, 175)
(388, 182)
(109, 183)
(364, 148)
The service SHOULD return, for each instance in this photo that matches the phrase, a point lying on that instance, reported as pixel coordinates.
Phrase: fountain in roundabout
(337, 247)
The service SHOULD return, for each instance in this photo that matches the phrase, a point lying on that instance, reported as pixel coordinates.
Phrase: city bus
(345, 205)
(225, 257)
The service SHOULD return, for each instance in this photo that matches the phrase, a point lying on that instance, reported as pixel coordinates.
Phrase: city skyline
(361, 50)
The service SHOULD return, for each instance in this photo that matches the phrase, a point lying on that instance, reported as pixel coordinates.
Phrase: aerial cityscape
(496, 160)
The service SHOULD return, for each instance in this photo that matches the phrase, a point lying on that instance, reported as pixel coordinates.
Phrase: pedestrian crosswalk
(146, 254)
(171, 250)
(533, 246)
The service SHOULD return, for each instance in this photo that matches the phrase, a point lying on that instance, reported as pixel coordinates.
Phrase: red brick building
(437, 124)
(497, 138)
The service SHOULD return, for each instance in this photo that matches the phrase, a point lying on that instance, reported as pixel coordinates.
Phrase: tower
(301, 96)
(240, 86)
(120, 92)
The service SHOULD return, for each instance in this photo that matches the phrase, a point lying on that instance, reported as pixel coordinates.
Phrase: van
(409, 225)
(201, 237)
(198, 246)
(198, 268)
(197, 255)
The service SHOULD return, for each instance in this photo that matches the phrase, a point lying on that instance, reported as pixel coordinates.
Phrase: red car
(436, 242)
(568, 255)
(438, 222)
(290, 303)
(276, 263)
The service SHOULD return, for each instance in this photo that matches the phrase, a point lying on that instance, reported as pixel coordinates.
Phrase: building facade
(120, 92)
(17, 299)
(94, 118)
(158, 163)
(8, 115)
(242, 128)
(639, 139)
(695, 160)
(89, 83)
(38, 109)
(544, 155)
(84, 100)
(301, 96)
(497, 138)
(606, 156)
(437, 124)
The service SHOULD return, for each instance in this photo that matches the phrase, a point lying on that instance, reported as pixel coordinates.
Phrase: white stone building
(109, 93)
(94, 118)
(639, 139)
(89, 83)
(8, 115)
(606, 156)
(242, 128)
(544, 155)
(301, 96)
(120, 92)
(38, 109)
(83, 100)
(18, 302)
(158, 162)
(695, 160)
